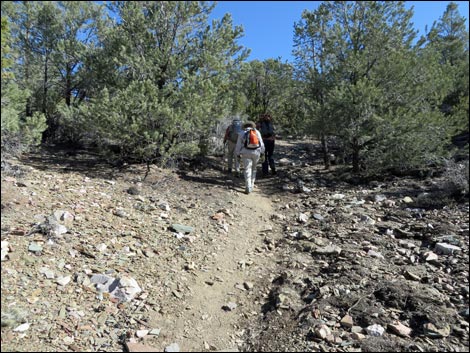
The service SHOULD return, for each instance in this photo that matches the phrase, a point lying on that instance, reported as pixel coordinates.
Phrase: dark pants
(268, 157)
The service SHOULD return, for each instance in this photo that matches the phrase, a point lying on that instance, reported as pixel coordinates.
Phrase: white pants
(231, 156)
(249, 162)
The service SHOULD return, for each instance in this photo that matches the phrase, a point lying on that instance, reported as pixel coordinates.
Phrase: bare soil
(243, 279)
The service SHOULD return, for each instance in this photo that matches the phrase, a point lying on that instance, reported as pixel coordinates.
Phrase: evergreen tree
(267, 84)
(19, 131)
(372, 88)
(168, 81)
(313, 54)
(449, 37)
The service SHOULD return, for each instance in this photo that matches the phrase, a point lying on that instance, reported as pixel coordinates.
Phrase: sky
(269, 25)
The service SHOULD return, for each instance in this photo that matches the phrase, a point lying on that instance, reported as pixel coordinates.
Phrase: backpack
(234, 130)
(266, 129)
(251, 140)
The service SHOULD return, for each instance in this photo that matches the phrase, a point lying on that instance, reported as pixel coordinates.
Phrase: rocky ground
(97, 259)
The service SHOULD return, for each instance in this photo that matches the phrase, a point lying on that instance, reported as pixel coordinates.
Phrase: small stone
(411, 276)
(357, 329)
(376, 254)
(120, 213)
(22, 328)
(357, 336)
(318, 217)
(399, 329)
(375, 330)
(407, 199)
(154, 332)
(35, 247)
(432, 331)
(431, 257)
(302, 218)
(248, 285)
(230, 306)
(63, 281)
(328, 250)
(180, 228)
(133, 190)
(141, 333)
(47, 272)
(137, 347)
(347, 321)
(322, 332)
(174, 347)
(446, 249)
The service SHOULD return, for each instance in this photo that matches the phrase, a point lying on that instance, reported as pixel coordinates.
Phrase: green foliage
(154, 80)
(170, 79)
(448, 38)
(266, 86)
(6, 59)
(19, 132)
(367, 85)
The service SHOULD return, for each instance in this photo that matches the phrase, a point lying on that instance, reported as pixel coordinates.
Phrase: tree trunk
(355, 157)
(44, 87)
(68, 88)
(326, 154)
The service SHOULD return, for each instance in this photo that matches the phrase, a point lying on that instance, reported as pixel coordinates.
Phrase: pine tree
(168, 80)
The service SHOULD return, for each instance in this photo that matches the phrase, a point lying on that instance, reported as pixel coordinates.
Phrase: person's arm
(226, 134)
(238, 146)
(261, 142)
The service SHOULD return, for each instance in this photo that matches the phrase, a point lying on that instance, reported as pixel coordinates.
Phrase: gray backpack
(234, 130)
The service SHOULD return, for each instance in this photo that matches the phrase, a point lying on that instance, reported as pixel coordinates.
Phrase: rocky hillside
(96, 259)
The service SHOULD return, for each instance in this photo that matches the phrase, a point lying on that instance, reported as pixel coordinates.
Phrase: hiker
(266, 128)
(231, 138)
(249, 146)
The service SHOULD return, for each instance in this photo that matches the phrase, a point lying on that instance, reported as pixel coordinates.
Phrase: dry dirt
(244, 252)
(186, 282)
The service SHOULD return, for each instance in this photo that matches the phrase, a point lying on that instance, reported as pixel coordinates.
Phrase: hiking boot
(247, 190)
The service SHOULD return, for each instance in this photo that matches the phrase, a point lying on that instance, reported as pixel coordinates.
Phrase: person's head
(266, 117)
(249, 124)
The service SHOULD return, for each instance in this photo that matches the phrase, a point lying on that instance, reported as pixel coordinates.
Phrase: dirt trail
(238, 259)
(186, 283)
(201, 323)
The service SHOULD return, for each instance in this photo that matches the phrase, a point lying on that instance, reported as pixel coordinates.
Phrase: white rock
(47, 272)
(101, 247)
(303, 218)
(22, 327)
(141, 333)
(375, 254)
(431, 257)
(174, 347)
(379, 198)
(446, 249)
(375, 330)
(63, 281)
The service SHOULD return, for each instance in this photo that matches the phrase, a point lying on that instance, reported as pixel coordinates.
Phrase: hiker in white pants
(250, 154)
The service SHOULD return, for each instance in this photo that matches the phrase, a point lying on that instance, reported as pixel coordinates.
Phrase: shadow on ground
(65, 160)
